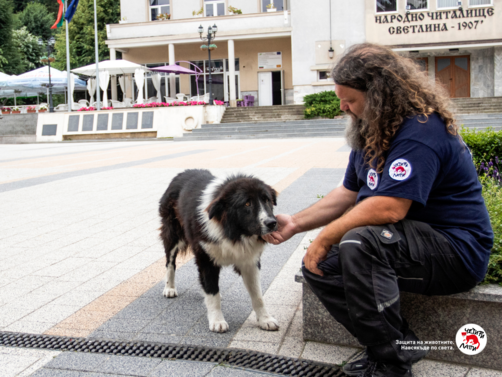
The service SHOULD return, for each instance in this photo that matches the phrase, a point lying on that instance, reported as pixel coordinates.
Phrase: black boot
(385, 370)
(358, 363)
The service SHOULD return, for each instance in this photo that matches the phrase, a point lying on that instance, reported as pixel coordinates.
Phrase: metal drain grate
(238, 358)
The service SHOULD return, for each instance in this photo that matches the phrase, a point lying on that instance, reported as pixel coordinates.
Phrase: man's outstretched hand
(316, 253)
(285, 230)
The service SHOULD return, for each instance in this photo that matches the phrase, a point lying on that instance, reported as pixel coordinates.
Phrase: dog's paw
(170, 292)
(218, 326)
(269, 324)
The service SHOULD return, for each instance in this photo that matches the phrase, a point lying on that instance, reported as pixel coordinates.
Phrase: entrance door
(454, 72)
(265, 96)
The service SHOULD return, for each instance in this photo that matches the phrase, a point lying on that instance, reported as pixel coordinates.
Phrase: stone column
(113, 56)
(497, 57)
(231, 73)
(172, 76)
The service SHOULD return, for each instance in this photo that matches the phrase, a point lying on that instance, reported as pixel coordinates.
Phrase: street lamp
(48, 59)
(211, 35)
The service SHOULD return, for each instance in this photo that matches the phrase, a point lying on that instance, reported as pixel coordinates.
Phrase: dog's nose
(270, 223)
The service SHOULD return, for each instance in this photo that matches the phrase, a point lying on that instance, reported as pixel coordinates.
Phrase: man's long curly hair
(395, 88)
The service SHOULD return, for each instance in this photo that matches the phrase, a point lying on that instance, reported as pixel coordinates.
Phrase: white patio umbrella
(156, 80)
(114, 67)
(104, 80)
(139, 77)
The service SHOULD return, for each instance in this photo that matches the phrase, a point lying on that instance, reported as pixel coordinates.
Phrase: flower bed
(165, 104)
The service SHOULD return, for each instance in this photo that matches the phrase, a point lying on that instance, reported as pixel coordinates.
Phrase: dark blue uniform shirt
(434, 169)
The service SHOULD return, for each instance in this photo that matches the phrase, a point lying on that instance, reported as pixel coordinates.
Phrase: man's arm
(329, 208)
(377, 210)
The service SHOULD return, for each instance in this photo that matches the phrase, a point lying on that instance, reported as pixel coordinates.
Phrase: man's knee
(353, 246)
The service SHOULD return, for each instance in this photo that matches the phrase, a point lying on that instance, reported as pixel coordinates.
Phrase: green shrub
(492, 193)
(484, 145)
(325, 104)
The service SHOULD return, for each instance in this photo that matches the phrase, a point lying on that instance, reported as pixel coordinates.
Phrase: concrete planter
(436, 318)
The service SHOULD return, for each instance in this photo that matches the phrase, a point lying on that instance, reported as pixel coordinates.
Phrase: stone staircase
(263, 114)
(481, 121)
(485, 105)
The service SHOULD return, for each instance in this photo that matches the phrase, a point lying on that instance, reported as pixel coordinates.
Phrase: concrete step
(261, 136)
(269, 132)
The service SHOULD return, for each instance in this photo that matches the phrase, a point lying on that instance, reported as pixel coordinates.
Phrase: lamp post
(48, 59)
(211, 35)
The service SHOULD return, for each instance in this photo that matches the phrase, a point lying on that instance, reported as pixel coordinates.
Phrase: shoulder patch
(400, 169)
(372, 179)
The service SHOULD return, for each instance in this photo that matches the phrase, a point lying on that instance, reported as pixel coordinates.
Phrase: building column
(231, 73)
(172, 76)
(113, 56)
(497, 57)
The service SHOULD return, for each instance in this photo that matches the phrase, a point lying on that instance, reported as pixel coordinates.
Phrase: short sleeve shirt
(434, 169)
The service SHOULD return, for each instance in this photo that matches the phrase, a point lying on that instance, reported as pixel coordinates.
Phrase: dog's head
(245, 207)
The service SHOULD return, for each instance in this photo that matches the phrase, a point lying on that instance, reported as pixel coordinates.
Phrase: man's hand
(316, 253)
(285, 230)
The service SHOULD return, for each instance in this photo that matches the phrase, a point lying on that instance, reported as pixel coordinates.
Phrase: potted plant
(163, 17)
(199, 13)
(123, 20)
(6, 110)
(271, 8)
(42, 109)
(16, 110)
(31, 109)
(233, 10)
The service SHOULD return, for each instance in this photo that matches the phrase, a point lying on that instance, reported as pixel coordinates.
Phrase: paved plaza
(80, 255)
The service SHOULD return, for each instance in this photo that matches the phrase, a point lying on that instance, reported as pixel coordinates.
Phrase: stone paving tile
(429, 368)
(182, 369)
(78, 361)
(132, 366)
(272, 348)
(327, 353)
(223, 371)
(478, 372)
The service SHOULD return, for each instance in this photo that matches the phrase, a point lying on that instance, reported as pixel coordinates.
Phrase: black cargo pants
(364, 273)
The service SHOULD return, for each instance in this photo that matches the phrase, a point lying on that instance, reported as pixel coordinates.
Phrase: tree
(51, 5)
(38, 20)
(81, 31)
(11, 59)
(28, 47)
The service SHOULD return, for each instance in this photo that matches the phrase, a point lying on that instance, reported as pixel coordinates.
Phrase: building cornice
(482, 43)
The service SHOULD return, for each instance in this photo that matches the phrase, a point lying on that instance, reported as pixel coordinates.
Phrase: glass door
(214, 8)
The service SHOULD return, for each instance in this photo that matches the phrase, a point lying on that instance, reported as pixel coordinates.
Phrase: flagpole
(98, 94)
(70, 97)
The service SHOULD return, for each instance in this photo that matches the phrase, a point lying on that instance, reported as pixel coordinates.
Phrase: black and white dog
(222, 221)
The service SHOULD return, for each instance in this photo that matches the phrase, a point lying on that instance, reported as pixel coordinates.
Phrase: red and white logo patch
(400, 169)
(372, 179)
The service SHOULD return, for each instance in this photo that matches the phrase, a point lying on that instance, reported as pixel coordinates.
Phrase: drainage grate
(237, 358)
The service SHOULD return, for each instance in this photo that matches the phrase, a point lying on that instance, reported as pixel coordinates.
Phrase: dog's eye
(248, 204)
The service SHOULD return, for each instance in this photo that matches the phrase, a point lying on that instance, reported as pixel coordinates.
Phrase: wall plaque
(269, 60)
(49, 129)
(102, 122)
(147, 121)
(132, 121)
(73, 123)
(117, 121)
(88, 123)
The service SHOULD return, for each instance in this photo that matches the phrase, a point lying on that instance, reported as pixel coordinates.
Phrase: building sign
(440, 21)
(269, 60)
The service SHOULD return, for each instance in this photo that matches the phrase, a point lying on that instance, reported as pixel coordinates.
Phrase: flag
(59, 21)
(72, 8)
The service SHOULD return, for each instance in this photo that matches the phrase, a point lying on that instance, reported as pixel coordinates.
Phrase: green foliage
(38, 20)
(51, 5)
(492, 194)
(325, 104)
(81, 31)
(3, 60)
(11, 59)
(484, 145)
(27, 45)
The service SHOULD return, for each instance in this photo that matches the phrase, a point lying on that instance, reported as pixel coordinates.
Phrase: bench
(436, 318)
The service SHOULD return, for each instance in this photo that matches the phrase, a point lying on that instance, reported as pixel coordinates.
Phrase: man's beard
(354, 132)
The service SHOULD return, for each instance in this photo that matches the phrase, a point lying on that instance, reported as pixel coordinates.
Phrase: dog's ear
(274, 195)
(216, 208)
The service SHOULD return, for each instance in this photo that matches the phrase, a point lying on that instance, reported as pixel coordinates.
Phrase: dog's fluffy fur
(222, 221)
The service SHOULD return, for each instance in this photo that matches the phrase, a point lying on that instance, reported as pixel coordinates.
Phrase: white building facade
(280, 50)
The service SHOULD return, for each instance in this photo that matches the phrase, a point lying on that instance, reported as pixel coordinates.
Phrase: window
(214, 7)
(278, 4)
(447, 4)
(478, 3)
(159, 7)
(386, 6)
(324, 75)
(423, 63)
(417, 4)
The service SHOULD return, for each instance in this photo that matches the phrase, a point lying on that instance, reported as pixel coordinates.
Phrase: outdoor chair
(117, 104)
(152, 100)
(61, 107)
(169, 99)
(128, 102)
(83, 103)
(248, 101)
(181, 97)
